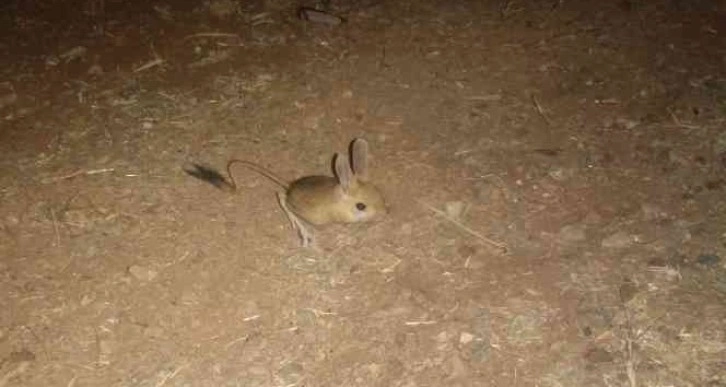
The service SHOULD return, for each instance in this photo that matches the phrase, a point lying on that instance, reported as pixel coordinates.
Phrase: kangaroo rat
(316, 200)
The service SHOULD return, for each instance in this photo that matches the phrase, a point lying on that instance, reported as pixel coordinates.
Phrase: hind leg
(303, 230)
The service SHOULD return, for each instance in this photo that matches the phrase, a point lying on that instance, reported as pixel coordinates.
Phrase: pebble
(652, 212)
(465, 338)
(86, 300)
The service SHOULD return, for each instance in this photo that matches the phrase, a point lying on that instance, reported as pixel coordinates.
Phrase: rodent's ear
(343, 172)
(359, 158)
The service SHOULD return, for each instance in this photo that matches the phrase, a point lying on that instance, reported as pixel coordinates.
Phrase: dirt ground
(555, 173)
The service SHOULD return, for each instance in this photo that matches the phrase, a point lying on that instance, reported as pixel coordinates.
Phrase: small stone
(375, 370)
(708, 260)
(573, 233)
(557, 173)
(443, 342)
(626, 123)
(188, 297)
(86, 300)
(618, 240)
(96, 70)
(652, 212)
(12, 220)
(465, 338)
(142, 273)
(442, 337)
(291, 373)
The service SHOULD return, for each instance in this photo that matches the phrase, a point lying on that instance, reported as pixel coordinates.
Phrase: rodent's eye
(360, 206)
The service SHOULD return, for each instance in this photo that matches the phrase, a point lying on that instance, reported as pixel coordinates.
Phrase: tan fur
(318, 200)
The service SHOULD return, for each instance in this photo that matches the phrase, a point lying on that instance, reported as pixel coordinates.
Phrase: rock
(618, 240)
(561, 174)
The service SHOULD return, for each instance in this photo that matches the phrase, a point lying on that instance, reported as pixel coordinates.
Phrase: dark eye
(360, 206)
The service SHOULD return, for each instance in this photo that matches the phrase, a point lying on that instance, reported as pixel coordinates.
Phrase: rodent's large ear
(359, 157)
(343, 172)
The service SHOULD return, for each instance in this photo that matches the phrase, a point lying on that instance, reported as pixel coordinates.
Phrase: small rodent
(316, 200)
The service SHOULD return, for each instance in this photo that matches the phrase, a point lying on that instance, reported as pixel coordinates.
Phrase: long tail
(257, 168)
(216, 179)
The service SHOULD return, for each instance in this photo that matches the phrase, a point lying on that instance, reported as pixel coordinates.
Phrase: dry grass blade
(148, 65)
(463, 227)
(171, 375)
(77, 173)
(212, 35)
(539, 109)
